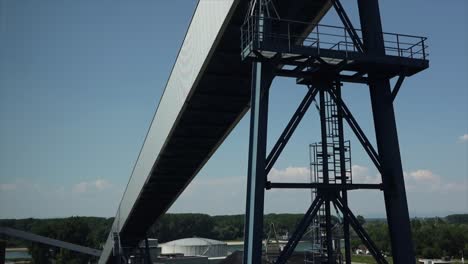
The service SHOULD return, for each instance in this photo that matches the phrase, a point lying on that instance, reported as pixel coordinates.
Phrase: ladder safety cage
(334, 165)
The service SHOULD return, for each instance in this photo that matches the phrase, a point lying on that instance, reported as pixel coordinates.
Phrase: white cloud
(101, 184)
(464, 138)
(86, 186)
(290, 174)
(80, 187)
(454, 187)
(223, 195)
(23, 185)
(19, 184)
(361, 174)
(8, 187)
(96, 197)
(421, 180)
(226, 195)
(425, 176)
(424, 180)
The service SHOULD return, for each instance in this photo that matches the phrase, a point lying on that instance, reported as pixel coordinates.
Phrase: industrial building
(196, 246)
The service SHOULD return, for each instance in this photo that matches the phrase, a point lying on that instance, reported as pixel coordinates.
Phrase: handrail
(327, 37)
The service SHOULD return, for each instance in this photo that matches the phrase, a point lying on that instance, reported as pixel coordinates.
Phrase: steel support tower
(324, 60)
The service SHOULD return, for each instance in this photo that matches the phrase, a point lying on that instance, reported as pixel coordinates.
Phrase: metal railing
(289, 34)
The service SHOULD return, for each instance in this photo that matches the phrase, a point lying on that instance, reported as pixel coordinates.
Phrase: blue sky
(80, 81)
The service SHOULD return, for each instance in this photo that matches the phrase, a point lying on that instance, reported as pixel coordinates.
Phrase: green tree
(74, 230)
(176, 226)
(41, 254)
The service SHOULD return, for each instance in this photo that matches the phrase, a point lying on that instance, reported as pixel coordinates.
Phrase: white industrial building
(196, 246)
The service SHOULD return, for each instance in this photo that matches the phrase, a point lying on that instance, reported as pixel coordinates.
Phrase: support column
(117, 251)
(387, 138)
(2, 251)
(323, 125)
(261, 81)
(147, 252)
(344, 193)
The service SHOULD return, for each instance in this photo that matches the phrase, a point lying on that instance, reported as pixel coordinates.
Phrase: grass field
(366, 259)
(370, 259)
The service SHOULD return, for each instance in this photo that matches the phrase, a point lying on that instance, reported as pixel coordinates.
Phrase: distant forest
(434, 237)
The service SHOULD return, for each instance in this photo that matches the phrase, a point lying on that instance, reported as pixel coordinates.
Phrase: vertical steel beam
(329, 231)
(387, 138)
(262, 76)
(147, 252)
(344, 193)
(261, 81)
(2, 251)
(323, 126)
(117, 249)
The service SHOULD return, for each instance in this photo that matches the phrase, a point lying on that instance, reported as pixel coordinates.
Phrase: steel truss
(324, 66)
(335, 198)
(328, 193)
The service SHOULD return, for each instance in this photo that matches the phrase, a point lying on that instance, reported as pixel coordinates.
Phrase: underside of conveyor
(219, 101)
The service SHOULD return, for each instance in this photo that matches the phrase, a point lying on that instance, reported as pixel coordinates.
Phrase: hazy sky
(80, 81)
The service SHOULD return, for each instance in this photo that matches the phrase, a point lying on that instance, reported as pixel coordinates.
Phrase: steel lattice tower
(323, 61)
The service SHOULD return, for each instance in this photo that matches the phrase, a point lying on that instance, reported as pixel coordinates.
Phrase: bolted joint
(328, 193)
(268, 185)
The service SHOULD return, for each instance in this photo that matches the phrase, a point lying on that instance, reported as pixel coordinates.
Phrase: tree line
(86, 231)
(433, 237)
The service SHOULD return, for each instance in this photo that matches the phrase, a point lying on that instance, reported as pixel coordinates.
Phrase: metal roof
(194, 241)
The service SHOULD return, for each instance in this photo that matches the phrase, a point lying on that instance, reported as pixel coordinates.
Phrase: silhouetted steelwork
(337, 165)
(324, 59)
(206, 95)
(147, 252)
(387, 137)
(2, 251)
(210, 88)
